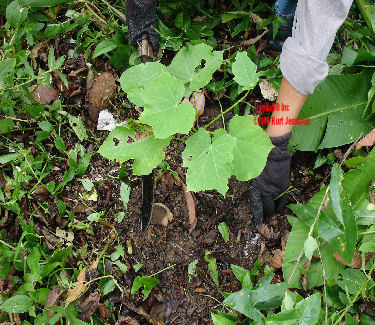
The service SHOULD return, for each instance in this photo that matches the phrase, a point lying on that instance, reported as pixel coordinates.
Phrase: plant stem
(7, 245)
(227, 110)
(167, 268)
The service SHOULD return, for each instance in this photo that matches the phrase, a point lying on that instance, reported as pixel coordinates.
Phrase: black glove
(285, 31)
(141, 16)
(273, 181)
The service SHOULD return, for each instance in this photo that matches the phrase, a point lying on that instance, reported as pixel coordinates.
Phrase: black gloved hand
(141, 16)
(285, 31)
(273, 181)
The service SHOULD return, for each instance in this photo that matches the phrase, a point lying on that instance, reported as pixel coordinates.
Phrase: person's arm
(303, 65)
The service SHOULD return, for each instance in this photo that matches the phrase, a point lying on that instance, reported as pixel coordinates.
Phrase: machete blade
(145, 53)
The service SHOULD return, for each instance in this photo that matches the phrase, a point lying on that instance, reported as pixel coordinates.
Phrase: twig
(227, 110)
(7, 245)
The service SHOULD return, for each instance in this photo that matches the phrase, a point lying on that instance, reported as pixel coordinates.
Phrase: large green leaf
(293, 249)
(335, 111)
(208, 162)
(251, 148)
(306, 312)
(162, 108)
(245, 300)
(147, 153)
(134, 80)
(244, 71)
(186, 61)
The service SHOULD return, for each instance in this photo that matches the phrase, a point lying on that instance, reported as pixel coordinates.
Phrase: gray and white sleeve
(303, 57)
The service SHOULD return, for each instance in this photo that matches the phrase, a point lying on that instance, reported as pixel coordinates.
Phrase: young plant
(210, 160)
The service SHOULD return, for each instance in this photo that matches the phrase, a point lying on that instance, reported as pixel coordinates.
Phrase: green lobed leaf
(208, 162)
(185, 62)
(17, 304)
(251, 148)
(147, 153)
(162, 108)
(335, 111)
(244, 71)
(134, 80)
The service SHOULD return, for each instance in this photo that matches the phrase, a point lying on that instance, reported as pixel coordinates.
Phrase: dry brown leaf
(89, 306)
(356, 262)
(253, 40)
(199, 102)
(65, 235)
(52, 299)
(268, 90)
(367, 141)
(190, 203)
(277, 259)
(81, 287)
(161, 215)
(45, 95)
(305, 278)
(126, 321)
(100, 93)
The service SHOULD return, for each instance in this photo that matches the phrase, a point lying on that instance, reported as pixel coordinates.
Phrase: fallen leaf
(161, 215)
(190, 203)
(89, 306)
(277, 259)
(356, 262)
(210, 238)
(75, 292)
(199, 102)
(45, 95)
(65, 235)
(199, 290)
(100, 93)
(268, 90)
(41, 193)
(253, 40)
(126, 321)
(367, 141)
(52, 299)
